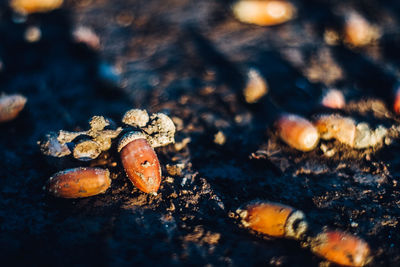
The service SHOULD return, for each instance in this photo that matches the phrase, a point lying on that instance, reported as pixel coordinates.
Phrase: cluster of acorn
(357, 30)
(304, 135)
(140, 134)
(281, 221)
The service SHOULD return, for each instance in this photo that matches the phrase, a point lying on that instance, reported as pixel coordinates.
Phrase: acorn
(11, 106)
(335, 126)
(396, 104)
(274, 219)
(79, 182)
(264, 13)
(33, 6)
(140, 162)
(297, 132)
(341, 248)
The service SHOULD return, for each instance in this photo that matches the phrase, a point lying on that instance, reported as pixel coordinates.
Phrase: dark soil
(189, 59)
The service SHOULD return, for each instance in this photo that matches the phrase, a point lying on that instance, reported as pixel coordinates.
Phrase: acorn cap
(296, 225)
(129, 137)
(136, 117)
(86, 150)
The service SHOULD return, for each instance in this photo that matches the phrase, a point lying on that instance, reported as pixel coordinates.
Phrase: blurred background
(193, 60)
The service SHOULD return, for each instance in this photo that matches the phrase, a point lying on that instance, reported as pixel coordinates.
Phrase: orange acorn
(297, 132)
(140, 162)
(264, 13)
(33, 6)
(274, 219)
(11, 106)
(341, 248)
(396, 104)
(79, 182)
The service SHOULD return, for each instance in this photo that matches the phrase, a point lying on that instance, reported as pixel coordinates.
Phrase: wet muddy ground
(188, 59)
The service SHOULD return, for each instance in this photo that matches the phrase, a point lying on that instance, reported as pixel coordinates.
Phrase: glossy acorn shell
(297, 132)
(396, 104)
(79, 182)
(273, 219)
(264, 13)
(140, 163)
(341, 248)
(32, 6)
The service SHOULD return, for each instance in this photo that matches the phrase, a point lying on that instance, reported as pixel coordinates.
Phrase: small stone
(175, 170)
(181, 145)
(333, 99)
(32, 34)
(86, 35)
(256, 87)
(220, 138)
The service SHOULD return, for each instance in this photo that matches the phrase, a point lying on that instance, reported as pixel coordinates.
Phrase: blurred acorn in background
(35, 6)
(11, 106)
(297, 132)
(341, 248)
(396, 103)
(264, 13)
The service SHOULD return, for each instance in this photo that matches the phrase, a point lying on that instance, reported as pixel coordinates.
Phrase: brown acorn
(274, 219)
(79, 182)
(264, 13)
(140, 162)
(396, 104)
(33, 6)
(341, 248)
(297, 132)
(11, 106)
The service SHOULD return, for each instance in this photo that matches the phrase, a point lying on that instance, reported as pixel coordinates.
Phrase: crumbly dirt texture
(189, 59)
